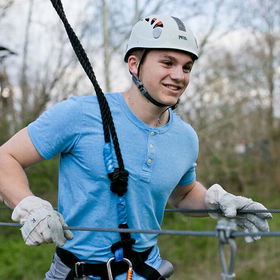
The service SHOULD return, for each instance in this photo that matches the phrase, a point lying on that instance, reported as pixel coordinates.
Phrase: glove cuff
(212, 198)
(213, 195)
(27, 205)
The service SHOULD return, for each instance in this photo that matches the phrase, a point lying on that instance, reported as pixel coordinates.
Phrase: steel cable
(194, 211)
(171, 232)
(161, 232)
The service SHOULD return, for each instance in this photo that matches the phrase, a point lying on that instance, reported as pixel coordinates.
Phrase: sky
(45, 23)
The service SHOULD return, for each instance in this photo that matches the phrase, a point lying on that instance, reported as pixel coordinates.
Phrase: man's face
(165, 74)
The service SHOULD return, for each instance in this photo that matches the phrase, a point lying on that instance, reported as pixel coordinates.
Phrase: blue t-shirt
(157, 159)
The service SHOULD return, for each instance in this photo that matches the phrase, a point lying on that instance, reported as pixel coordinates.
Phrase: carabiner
(129, 273)
(225, 228)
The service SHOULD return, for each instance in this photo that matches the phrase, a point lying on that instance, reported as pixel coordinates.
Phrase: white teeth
(172, 87)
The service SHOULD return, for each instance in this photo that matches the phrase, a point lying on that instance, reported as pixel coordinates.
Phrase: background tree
(7, 116)
(232, 102)
(235, 95)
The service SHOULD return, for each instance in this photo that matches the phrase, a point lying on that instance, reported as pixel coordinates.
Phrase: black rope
(107, 120)
(119, 176)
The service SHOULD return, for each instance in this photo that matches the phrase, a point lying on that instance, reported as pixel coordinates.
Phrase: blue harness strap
(118, 187)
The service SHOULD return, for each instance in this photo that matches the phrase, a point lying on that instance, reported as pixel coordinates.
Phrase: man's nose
(177, 73)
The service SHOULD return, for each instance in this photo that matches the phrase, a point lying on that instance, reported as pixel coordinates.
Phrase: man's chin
(171, 103)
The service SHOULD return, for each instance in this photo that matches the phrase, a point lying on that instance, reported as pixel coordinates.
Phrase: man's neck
(146, 111)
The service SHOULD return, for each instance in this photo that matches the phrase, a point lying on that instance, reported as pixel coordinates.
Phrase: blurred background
(233, 102)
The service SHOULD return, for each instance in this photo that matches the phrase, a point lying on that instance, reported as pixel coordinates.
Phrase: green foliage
(43, 179)
(193, 257)
(197, 257)
(21, 262)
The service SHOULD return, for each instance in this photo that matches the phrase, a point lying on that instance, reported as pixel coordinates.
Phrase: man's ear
(133, 63)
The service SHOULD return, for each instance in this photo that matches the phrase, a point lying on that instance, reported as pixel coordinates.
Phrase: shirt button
(149, 161)
(152, 133)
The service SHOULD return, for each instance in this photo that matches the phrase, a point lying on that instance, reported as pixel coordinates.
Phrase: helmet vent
(154, 20)
(157, 26)
(157, 32)
(180, 24)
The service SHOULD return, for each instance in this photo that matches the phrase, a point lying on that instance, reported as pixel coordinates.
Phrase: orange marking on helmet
(153, 20)
(159, 24)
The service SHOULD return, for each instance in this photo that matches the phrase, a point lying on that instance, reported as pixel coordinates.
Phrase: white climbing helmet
(161, 32)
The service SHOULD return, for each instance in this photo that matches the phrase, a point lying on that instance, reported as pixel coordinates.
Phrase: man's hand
(41, 223)
(217, 198)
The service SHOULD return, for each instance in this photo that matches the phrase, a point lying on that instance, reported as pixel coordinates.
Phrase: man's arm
(189, 197)
(41, 223)
(15, 155)
(195, 196)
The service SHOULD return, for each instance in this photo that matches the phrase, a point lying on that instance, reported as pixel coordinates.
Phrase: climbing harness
(225, 229)
(80, 269)
(134, 261)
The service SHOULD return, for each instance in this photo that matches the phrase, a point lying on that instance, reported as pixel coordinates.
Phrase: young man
(159, 152)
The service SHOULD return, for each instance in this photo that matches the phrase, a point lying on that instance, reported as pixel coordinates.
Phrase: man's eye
(187, 69)
(167, 63)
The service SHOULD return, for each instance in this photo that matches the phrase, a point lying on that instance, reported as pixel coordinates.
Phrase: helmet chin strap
(141, 87)
(145, 93)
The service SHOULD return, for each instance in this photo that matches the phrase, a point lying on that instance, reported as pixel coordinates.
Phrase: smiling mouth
(172, 87)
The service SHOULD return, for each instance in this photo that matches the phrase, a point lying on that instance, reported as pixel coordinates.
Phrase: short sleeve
(57, 129)
(189, 177)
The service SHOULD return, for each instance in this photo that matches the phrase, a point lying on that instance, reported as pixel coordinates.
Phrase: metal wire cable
(219, 211)
(171, 232)
(161, 232)
(203, 210)
(125, 230)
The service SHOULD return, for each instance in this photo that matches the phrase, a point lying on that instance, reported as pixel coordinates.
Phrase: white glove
(217, 198)
(41, 223)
